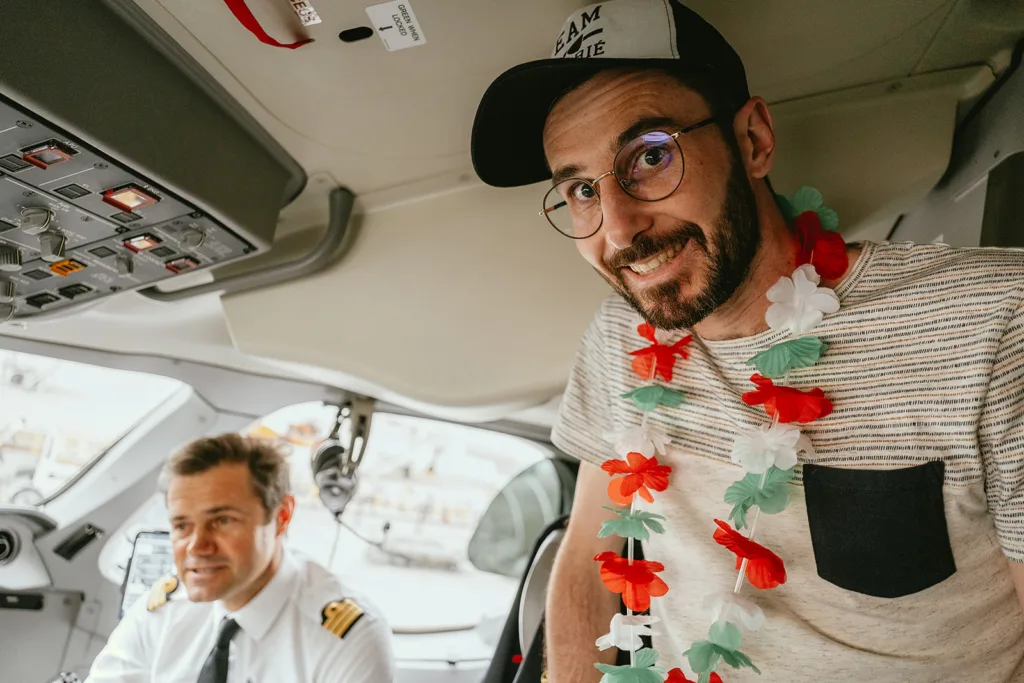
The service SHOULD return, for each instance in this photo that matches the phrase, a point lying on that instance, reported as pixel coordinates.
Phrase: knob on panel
(35, 219)
(10, 259)
(6, 290)
(51, 244)
(192, 238)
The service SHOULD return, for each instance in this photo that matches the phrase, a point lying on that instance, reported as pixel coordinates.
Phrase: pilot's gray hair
(267, 464)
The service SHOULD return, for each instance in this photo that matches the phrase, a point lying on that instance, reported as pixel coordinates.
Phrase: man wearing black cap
(888, 451)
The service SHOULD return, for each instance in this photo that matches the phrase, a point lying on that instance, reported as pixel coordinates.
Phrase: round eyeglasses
(649, 168)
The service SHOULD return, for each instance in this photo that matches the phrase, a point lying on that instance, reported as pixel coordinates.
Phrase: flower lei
(768, 455)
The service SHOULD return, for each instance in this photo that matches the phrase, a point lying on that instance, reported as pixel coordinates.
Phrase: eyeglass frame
(597, 191)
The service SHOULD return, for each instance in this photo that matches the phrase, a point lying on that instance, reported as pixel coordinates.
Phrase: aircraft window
(58, 417)
(423, 487)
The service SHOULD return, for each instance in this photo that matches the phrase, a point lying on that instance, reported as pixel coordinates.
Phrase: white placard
(396, 24)
(307, 15)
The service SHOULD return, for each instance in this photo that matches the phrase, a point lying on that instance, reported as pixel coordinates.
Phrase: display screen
(151, 560)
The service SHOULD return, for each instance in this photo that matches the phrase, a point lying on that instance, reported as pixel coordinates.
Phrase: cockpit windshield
(58, 417)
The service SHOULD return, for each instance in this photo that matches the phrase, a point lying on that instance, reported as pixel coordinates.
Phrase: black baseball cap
(507, 146)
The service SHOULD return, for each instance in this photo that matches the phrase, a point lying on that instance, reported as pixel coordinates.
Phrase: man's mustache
(645, 246)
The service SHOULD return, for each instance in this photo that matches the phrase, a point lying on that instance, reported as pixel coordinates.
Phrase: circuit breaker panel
(75, 224)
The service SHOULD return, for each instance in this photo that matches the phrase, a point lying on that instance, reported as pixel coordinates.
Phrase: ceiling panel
(378, 120)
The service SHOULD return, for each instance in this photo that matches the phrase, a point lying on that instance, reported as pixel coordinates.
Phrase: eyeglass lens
(648, 168)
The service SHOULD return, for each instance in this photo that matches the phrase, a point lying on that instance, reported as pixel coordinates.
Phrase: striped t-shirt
(897, 537)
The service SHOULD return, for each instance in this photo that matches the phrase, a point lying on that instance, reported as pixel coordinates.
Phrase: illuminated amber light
(129, 197)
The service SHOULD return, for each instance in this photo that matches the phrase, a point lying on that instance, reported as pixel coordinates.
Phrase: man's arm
(366, 656)
(1000, 436)
(1017, 574)
(579, 607)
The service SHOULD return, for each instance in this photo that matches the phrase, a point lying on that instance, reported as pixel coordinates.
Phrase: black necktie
(215, 670)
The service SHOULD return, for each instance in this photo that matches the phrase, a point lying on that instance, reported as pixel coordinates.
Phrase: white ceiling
(377, 120)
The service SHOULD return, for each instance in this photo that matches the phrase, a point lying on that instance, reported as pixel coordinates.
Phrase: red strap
(248, 20)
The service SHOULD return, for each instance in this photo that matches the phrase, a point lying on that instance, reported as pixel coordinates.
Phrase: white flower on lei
(732, 608)
(643, 440)
(625, 631)
(775, 445)
(798, 303)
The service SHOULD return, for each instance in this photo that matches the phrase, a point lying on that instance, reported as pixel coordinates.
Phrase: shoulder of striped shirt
(917, 263)
(907, 263)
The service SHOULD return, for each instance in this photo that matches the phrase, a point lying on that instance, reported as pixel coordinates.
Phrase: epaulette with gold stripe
(160, 592)
(339, 617)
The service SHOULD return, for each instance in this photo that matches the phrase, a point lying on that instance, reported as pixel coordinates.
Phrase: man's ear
(283, 518)
(755, 136)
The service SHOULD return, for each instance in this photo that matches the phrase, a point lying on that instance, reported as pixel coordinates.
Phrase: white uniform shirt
(284, 636)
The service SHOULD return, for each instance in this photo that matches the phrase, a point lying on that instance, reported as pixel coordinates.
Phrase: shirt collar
(257, 616)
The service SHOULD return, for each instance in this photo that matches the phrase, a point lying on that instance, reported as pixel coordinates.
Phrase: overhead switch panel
(106, 187)
(59, 240)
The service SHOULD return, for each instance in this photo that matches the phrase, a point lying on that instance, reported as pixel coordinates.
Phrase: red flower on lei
(642, 476)
(765, 569)
(677, 676)
(658, 359)
(636, 582)
(787, 403)
(823, 249)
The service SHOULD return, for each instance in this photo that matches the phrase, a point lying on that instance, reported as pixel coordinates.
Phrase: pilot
(241, 607)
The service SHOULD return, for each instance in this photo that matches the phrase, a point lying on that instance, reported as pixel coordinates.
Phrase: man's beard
(733, 247)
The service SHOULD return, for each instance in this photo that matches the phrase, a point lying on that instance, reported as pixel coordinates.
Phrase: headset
(335, 460)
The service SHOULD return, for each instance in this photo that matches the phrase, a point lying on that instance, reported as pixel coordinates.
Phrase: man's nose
(624, 217)
(201, 542)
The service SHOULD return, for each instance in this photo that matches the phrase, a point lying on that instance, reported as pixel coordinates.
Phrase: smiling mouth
(205, 571)
(658, 260)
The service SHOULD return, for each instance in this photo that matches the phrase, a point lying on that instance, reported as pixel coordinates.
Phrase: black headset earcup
(335, 488)
(328, 453)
